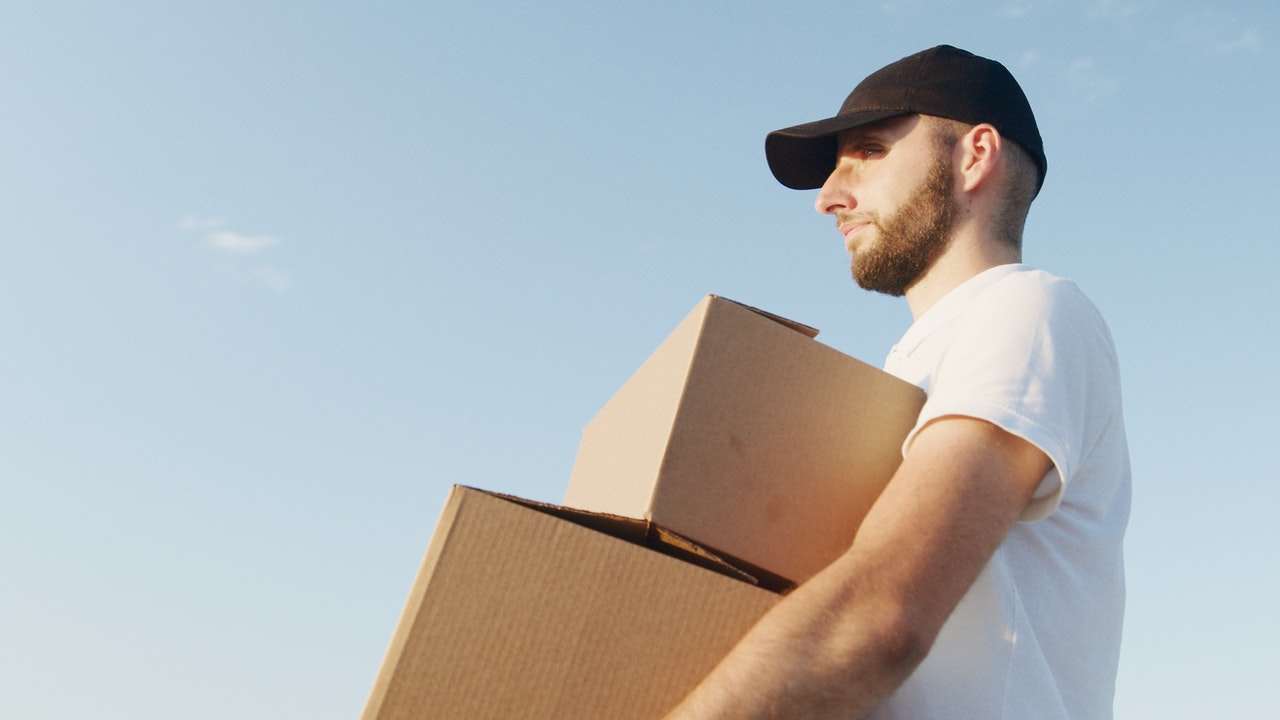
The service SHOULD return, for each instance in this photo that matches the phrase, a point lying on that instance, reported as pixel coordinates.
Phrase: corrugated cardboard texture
(748, 436)
(517, 613)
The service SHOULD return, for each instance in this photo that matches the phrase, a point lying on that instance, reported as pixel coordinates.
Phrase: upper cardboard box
(524, 610)
(747, 435)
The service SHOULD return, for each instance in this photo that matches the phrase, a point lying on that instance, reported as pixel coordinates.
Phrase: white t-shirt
(1037, 637)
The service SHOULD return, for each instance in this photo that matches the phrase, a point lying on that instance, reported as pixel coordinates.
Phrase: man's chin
(880, 279)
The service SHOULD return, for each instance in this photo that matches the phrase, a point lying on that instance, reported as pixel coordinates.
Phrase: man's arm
(844, 640)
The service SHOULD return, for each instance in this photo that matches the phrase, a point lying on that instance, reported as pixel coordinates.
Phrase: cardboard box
(523, 610)
(748, 436)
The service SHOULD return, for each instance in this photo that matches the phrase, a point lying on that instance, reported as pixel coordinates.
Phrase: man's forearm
(817, 654)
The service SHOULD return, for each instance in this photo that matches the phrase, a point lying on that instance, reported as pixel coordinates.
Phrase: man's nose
(834, 195)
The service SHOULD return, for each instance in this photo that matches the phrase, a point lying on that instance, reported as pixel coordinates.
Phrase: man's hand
(845, 639)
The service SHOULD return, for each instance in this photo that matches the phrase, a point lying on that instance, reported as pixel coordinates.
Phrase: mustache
(843, 216)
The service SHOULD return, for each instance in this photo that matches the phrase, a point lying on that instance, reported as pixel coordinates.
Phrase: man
(987, 582)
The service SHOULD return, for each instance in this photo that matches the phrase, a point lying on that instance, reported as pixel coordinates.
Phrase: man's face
(891, 194)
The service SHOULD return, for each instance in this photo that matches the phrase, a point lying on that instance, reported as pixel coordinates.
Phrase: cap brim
(801, 157)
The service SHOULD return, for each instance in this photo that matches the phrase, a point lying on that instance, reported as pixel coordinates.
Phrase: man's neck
(964, 258)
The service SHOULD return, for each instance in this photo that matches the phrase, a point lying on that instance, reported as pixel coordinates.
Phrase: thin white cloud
(1018, 8)
(236, 248)
(1220, 33)
(1247, 41)
(243, 244)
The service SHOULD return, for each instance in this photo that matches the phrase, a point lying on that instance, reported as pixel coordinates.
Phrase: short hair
(1017, 188)
(1017, 191)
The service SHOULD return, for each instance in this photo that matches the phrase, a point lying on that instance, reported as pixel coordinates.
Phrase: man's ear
(981, 150)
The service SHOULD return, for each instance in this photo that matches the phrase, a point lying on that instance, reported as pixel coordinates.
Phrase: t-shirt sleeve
(1029, 355)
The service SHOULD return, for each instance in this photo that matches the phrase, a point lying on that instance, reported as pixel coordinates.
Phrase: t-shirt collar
(951, 305)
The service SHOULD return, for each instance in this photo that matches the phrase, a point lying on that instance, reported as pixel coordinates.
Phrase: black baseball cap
(944, 81)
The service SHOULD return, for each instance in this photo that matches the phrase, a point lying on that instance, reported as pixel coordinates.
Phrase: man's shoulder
(1036, 293)
(1038, 307)
(1034, 281)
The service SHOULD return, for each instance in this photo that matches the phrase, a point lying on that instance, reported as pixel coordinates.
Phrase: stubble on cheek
(906, 243)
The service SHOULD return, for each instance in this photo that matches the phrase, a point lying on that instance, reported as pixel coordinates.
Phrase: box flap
(801, 328)
(648, 534)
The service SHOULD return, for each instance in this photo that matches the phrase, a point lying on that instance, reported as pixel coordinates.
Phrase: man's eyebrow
(859, 137)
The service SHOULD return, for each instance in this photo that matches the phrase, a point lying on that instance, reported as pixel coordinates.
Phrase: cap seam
(915, 79)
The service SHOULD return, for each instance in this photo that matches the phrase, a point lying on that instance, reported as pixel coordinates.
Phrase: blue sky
(274, 275)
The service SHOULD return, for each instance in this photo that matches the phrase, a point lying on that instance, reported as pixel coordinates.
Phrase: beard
(910, 239)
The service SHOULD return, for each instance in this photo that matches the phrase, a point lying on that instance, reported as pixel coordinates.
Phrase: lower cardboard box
(527, 610)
